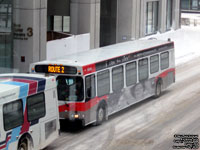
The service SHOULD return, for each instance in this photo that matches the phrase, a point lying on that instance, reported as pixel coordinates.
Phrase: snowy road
(149, 125)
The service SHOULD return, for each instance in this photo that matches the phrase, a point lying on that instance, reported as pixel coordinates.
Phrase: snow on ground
(186, 41)
(190, 15)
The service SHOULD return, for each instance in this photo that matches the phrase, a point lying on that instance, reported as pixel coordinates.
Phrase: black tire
(23, 145)
(158, 89)
(100, 114)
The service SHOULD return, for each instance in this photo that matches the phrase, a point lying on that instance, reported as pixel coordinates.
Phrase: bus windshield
(70, 88)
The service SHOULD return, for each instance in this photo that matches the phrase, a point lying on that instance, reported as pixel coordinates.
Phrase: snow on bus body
(28, 111)
(112, 77)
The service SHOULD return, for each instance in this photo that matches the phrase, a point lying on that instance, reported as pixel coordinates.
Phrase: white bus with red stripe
(95, 84)
(29, 118)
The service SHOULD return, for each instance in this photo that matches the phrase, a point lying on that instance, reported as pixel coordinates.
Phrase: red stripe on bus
(165, 73)
(4, 146)
(32, 85)
(89, 69)
(81, 106)
(26, 125)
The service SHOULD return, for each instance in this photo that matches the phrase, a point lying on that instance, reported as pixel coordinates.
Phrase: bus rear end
(28, 111)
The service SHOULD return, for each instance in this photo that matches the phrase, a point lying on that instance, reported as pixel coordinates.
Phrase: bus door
(90, 98)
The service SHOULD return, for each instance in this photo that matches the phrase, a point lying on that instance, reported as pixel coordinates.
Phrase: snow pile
(186, 41)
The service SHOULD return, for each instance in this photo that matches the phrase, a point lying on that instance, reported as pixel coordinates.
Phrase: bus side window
(131, 73)
(143, 69)
(103, 83)
(13, 115)
(164, 60)
(117, 78)
(154, 64)
(36, 107)
(90, 87)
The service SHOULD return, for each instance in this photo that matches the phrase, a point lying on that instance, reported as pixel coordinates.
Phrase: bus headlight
(76, 116)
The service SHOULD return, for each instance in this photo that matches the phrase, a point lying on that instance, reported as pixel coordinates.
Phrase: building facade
(113, 21)
(22, 34)
(108, 22)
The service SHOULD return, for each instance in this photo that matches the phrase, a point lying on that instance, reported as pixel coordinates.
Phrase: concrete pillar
(142, 26)
(137, 18)
(162, 15)
(125, 20)
(29, 26)
(85, 18)
(176, 14)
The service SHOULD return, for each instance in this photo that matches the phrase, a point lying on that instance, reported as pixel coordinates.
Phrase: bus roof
(105, 53)
(17, 86)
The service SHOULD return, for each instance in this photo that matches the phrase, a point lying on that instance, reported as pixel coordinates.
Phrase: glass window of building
(195, 4)
(6, 38)
(151, 17)
(185, 4)
(58, 16)
(190, 4)
(108, 22)
(169, 14)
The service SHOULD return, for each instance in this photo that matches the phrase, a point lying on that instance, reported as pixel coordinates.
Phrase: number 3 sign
(29, 32)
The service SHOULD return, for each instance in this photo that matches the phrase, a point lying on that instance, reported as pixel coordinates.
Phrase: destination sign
(58, 69)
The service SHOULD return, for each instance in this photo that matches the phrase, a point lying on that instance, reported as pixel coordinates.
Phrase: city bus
(29, 117)
(94, 84)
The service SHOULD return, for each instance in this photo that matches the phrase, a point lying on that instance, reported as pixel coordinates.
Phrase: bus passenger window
(154, 64)
(143, 69)
(117, 78)
(131, 73)
(164, 60)
(13, 115)
(103, 83)
(36, 107)
(90, 87)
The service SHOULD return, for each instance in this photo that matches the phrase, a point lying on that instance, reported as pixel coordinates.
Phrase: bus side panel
(49, 129)
(168, 80)
(130, 95)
